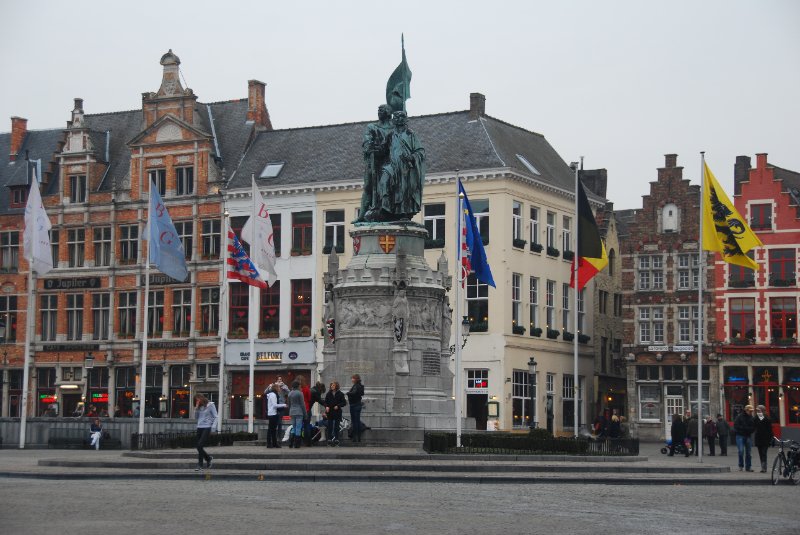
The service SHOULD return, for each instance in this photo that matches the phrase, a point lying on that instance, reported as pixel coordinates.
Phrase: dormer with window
(18, 197)
(761, 216)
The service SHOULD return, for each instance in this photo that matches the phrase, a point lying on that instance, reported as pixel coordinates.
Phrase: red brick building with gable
(660, 278)
(757, 311)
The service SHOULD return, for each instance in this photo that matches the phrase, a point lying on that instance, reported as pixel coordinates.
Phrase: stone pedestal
(391, 323)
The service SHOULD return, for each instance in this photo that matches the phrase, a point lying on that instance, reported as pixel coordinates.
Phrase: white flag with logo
(259, 235)
(36, 238)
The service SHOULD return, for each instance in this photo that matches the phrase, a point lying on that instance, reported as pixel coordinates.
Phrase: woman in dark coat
(763, 435)
(678, 432)
(334, 401)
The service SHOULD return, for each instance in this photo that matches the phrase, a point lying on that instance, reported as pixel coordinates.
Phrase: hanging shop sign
(238, 353)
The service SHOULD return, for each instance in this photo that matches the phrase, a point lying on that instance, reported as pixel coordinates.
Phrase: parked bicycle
(787, 462)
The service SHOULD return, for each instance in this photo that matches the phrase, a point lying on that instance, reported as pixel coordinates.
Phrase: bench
(77, 438)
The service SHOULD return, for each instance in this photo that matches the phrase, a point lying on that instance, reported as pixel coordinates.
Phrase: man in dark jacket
(710, 434)
(743, 426)
(354, 398)
(723, 432)
(678, 432)
(691, 432)
(763, 435)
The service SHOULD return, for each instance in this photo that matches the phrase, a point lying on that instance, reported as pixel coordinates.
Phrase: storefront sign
(655, 349)
(238, 353)
(168, 345)
(83, 283)
(159, 279)
(47, 398)
(678, 349)
(99, 397)
(70, 347)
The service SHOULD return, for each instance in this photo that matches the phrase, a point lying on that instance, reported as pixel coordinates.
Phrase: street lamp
(534, 421)
(464, 335)
(88, 363)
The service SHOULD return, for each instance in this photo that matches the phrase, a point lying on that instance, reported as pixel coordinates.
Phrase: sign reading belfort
(238, 353)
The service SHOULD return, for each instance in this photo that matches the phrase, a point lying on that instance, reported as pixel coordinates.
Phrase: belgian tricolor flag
(591, 257)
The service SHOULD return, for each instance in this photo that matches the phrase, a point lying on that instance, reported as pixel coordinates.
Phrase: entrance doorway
(477, 407)
(69, 402)
(550, 414)
(673, 406)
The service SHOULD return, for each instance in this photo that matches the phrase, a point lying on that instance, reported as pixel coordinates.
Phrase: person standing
(710, 434)
(723, 432)
(763, 435)
(614, 429)
(282, 393)
(273, 416)
(297, 412)
(354, 396)
(691, 432)
(96, 430)
(678, 432)
(206, 414)
(743, 426)
(307, 402)
(334, 401)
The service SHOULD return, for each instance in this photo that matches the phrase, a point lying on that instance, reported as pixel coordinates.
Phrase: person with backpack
(710, 434)
(334, 401)
(297, 412)
(354, 396)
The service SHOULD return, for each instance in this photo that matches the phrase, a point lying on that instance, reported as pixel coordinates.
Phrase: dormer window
(272, 170)
(761, 216)
(669, 218)
(19, 196)
(77, 188)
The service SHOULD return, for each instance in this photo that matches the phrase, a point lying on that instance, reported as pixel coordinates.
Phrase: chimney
(19, 127)
(741, 173)
(670, 160)
(257, 106)
(477, 105)
(761, 160)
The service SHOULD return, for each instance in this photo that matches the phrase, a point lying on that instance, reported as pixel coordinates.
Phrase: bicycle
(786, 464)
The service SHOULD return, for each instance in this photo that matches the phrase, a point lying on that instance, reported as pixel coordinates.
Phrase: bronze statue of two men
(394, 169)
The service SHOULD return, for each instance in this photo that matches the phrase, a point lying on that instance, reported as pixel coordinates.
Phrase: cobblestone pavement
(208, 507)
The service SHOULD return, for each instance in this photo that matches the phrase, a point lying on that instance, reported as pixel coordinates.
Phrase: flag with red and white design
(240, 267)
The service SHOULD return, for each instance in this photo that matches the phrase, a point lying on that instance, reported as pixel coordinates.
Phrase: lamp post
(534, 421)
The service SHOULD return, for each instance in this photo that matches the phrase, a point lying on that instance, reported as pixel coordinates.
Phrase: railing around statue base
(522, 444)
(161, 441)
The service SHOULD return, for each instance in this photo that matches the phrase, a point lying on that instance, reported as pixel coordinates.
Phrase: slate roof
(790, 184)
(316, 155)
(122, 127)
(39, 144)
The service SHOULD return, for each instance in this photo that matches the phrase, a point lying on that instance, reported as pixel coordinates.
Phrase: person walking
(297, 413)
(723, 432)
(354, 396)
(691, 433)
(763, 435)
(306, 391)
(96, 430)
(678, 433)
(334, 401)
(710, 434)
(206, 414)
(743, 426)
(273, 416)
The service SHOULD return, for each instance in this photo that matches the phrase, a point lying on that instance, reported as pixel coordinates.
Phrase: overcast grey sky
(621, 83)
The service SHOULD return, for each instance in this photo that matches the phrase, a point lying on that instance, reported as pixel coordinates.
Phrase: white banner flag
(36, 238)
(262, 244)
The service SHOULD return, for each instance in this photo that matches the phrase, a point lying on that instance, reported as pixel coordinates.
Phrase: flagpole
(700, 325)
(575, 381)
(27, 362)
(223, 316)
(143, 374)
(252, 326)
(460, 276)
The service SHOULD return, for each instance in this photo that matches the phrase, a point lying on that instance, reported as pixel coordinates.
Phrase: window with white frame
(76, 243)
(77, 188)
(181, 312)
(516, 299)
(550, 383)
(434, 220)
(155, 314)
(102, 246)
(8, 320)
(550, 304)
(9, 252)
(159, 178)
(55, 235)
(209, 310)
(581, 310)
(184, 180)
(688, 324)
(128, 243)
(478, 380)
(533, 304)
(520, 399)
(516, 220)
(650, 403)
(477, 304)
(211, 238)
(101, 315)
(568, 405)
(688, 272)
(74, 316)
(126, 306)
(651, 325)
(565, 316)
(185, 231)
(208, 371)
(551, 230)
(566, 233)
(651, 272)
(334, 231)
(534, 220)
(49, 316)
(706, 405)
(480, 209)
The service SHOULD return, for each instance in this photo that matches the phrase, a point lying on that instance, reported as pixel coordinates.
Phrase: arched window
(669, 218)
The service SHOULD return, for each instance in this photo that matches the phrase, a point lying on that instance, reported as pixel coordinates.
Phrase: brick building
(660, 277)
(757, 311)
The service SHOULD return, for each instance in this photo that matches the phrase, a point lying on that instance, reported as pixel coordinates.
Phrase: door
(69, 402)
(477, 408)
(674, 405)
(550, 413)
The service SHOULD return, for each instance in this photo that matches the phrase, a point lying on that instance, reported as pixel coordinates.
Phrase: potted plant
(552, 333)
(479, 327)
(518, 329)
(270, 333)
(295, 251)
(568, 336)
(434, 244)
(584, 338)
(485, 240)
(536, 331)
(537, 247)
(518, 243)
(305, 330)
(294, 333)
(237, 334)
(568, 255)
(552, 251)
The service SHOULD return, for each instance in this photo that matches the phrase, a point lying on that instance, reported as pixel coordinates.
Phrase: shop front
(774, 386)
